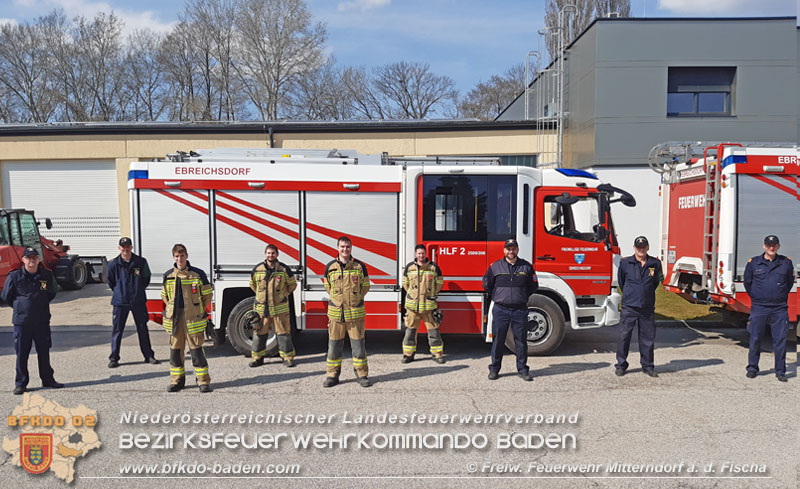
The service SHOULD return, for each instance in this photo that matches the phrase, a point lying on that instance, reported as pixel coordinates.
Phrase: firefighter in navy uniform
(510, 281)
(422, 281)
(347, 282)
(768, 278)
(273, 282)
(29, 290)
(128, 277)
(186, 294)
(638, 277)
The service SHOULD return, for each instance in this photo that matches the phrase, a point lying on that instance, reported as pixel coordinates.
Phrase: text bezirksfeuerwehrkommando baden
(344, 418)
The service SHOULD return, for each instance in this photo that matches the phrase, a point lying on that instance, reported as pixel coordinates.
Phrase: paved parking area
(700, 411)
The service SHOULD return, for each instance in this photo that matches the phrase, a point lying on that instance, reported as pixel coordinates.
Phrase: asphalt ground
(701, 411)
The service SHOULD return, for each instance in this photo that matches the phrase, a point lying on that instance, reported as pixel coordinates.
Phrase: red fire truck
(224, 205)
(718, 201)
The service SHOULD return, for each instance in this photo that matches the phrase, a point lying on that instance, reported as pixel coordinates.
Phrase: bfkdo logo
(52, 437)
(36, 451)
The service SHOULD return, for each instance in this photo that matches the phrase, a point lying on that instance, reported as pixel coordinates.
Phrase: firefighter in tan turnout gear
(273, 282)
(422, 281)
(347, 282)
(186, 293)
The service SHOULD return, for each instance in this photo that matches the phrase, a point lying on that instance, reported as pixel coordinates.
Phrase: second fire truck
(225, 205)
(718, 202)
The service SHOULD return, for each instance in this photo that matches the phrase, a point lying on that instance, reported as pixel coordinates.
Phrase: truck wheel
(239, 332)
(76, 275)
(546, 326)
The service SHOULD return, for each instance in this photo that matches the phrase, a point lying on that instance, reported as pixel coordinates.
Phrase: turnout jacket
(128, 280)
(30, 295)
(510, 285)
(186, 289)
(346, 284)
(422, 284)
(768, 282)
(272, 287)
(639, 283)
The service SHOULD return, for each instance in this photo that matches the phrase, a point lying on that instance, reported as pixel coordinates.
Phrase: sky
(467, 40)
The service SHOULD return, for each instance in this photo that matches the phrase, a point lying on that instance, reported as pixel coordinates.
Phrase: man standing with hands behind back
(768, 278)
(128, 277)
(638, 277)
(29, 290)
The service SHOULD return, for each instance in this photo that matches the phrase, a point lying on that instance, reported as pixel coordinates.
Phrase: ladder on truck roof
(332, 156)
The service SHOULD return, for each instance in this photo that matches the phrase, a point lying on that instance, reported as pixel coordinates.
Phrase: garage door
(80, 197)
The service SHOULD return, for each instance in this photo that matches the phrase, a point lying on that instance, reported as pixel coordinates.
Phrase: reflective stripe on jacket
(272, 287)
(346, 284)
(422, 284)
(195, 296)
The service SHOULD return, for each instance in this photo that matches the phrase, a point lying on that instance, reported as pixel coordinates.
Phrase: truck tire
(77, 274)
(239, 332)
(546, 326)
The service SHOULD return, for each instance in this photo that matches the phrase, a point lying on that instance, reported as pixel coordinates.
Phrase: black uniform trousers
(504, 318)
(119, 317)
(24, 338)
(644, 319)
(776, 318)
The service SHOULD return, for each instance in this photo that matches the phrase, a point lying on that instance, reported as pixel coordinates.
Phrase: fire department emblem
(580, 257)
(652, 271)
(36, 451)
(136, 271)
(194, 288)
(42, 284)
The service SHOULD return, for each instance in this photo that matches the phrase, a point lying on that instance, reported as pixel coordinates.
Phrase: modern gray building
(632, 83)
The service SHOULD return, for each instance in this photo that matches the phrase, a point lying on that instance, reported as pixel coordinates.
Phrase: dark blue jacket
(769, 282)
(510, 285)
(30, 295)
(178, 291)
(639, 283)
(128, 280)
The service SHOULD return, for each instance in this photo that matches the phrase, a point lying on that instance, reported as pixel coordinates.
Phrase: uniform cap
(30, 252)
(771, 240)
(511, 242)
(125, 241)
(641, 242)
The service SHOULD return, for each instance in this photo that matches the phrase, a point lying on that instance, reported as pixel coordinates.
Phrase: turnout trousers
(337, 330)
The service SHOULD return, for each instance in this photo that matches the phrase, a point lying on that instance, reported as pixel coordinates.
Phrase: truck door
(569, 242)
(463, 222)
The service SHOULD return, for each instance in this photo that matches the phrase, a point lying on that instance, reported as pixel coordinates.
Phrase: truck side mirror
(566, 199)
(48, 223)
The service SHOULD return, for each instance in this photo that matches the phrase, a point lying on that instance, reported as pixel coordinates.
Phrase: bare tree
(144, 81)
(98, 44)
(277, 44)
(585, 12)
(367, 102)
(323, 94)
(489, 98)
(215, 20)
(413, 90)
(25, 74)
(179, 61)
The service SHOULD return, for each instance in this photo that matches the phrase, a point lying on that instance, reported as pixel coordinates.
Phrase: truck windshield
(577, 221)
(5, 239)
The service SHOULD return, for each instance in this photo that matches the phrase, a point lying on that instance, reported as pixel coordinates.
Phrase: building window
(700, 91)
(519, 160)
